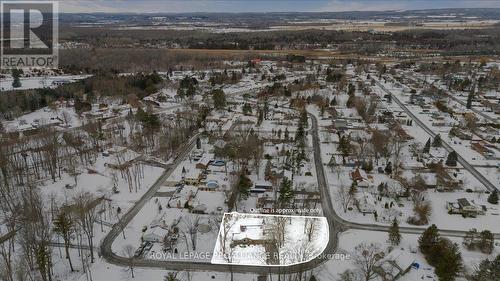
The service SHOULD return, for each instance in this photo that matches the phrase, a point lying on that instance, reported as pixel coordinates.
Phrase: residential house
(183, 197)
(192, 177)
(463, 135)
(358, 175)
(264, 185)
(340, 124)
(488, 133)
(481, 147)
(465, 208)
(396, 264)
(155, 234)
(220, 144)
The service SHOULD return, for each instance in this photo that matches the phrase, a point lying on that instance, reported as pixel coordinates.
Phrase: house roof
(397, 260)
(463, 202)
(363, 183)
(219, 143)
(263, 183)
(155, 233)
(358, 174)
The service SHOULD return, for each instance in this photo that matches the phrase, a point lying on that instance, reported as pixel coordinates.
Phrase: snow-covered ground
(39, 82)
(254, 239)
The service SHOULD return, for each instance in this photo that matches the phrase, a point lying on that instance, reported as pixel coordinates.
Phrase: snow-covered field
(39, 82)
(244, 239)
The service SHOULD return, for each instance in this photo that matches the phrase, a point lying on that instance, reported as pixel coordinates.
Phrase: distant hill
(266, 19)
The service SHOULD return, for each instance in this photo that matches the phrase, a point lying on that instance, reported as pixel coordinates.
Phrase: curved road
(110, 256)
(336, 225)
(344, 225)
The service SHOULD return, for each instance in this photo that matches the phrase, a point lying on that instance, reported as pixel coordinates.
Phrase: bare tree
(379, 142)
(366, 257)
(191, 224)
(50, 146)
(397, 143)
(36, 235)
(129, 252)
(470, 122)
(63, 225)
(94, 131)
(280, 229)
(226, 225)
(85, 210)
(311, 227)
(66, 116)
(345, 196)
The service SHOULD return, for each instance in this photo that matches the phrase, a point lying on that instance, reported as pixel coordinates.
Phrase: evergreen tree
(451, 160)
(198, 143)
(487, 270)
(351, 89)
(427, 147)
(16, 74)
(470, 239)
(268, 171)
(469, 99)
(350, 101)
(244, 186)
(394, 235)
(486, 245)
(437, 141)
(441, 253)
(299, 136)
(428, 239)
(219, 98)
(247, 109)
(333, 102)
(332, 163)
(344, 147)
(148, 119)
(449, 261)
(388, 168)
(493, 198)
(286, 191)
(16, 83)
(303, 118)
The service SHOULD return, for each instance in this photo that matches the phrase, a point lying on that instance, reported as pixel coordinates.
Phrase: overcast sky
(177, 6)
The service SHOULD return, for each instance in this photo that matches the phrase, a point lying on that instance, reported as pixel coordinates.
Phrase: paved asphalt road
(450, 95)
(205, 265)
(460, 159)
(336, 224)
(344, 225)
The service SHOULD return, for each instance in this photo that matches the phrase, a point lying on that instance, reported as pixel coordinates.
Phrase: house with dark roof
(465, 208)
